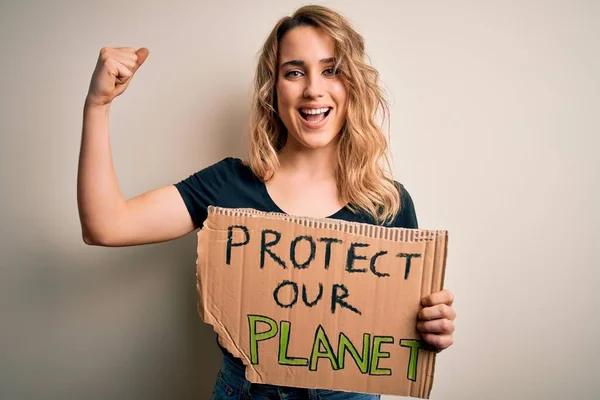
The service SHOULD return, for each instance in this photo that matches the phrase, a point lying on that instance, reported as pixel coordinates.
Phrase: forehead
(306, 43)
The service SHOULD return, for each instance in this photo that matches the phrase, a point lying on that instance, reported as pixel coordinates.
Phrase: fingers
(123, 62)
(120, 71)
(444, 326)
(127, 56)
(441, 297)
(441, 342)
(436, 319)
(142, 54)
(133, 58)
(115, 68)
(127, 60)
(439, 311)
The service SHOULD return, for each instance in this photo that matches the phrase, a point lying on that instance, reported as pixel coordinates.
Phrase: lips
(315, 117)
(314, 121)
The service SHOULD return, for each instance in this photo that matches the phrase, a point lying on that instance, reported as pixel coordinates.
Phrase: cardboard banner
(320, 303)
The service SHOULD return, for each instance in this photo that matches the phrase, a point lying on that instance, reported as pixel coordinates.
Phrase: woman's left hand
(436, 319)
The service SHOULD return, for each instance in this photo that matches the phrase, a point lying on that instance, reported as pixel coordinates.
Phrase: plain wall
(494, 131)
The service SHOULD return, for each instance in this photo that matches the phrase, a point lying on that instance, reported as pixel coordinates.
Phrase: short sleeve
(407, 217)
(203, 188)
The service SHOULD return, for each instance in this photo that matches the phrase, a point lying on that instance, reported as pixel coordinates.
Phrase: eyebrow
(300, 63)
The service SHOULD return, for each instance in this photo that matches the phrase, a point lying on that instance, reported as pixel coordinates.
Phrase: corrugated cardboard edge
(356, 228)
(437, 284)
(435, 237)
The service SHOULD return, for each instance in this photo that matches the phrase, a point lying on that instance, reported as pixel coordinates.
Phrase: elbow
(92, 238)
(103, 233)
(90, 231)
(89, 238)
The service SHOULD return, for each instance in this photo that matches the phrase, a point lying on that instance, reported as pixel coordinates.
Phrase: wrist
(92, 103)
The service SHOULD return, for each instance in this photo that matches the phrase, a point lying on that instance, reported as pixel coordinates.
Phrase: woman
(315, 151)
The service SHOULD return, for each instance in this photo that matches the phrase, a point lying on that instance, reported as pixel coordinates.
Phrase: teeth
(314, 110)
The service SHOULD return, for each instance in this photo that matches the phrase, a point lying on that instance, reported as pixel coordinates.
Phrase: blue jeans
(232, 384)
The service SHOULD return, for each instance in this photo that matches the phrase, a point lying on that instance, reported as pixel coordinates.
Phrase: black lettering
(279, 287)
(353, 256)
(373, 260)
(230, 243)
(337, 299)
(409, 257)
(328, 242)
(264, 247)
(305, 296)
(313, 248)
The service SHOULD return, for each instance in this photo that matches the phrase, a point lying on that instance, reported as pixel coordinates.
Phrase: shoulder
(211, 184)
(234, 165)
(407, 216)
(211, 179)
(405, 196)
(222, 170)
(228, 164)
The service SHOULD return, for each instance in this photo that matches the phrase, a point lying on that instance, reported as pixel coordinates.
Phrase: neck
(317, 164)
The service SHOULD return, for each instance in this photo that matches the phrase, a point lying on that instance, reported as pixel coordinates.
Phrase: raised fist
(114, 70)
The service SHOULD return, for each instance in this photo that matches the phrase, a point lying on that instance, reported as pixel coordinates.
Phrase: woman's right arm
(107, 218)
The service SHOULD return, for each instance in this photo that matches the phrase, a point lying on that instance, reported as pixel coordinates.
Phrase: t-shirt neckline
(272, 203)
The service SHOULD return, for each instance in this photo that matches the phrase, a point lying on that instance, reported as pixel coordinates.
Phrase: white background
(494, 131)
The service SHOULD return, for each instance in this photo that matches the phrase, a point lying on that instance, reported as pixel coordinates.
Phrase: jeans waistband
(235, 375)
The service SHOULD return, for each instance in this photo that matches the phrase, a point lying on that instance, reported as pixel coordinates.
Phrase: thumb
(142, 54)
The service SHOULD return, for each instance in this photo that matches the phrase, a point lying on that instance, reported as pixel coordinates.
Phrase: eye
(292, 74)
(331, 71)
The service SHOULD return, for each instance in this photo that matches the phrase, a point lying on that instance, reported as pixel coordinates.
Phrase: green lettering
(284, 341)
(321, 339)
(256, 337)
(345, 344)
(414, 345)
(377, 354)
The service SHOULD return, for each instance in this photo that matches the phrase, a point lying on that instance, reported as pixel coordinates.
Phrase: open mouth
(315, 118)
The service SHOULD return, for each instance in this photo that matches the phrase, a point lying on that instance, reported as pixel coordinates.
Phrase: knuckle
(446, 325)
(452, 327)
(105, 51)
(428, 338)
(447, 342)
(447, 311)
(443, 309)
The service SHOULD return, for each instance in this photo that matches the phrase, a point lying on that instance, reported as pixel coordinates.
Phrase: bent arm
(107, 219)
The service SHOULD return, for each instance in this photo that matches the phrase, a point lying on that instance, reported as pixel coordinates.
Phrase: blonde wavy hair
(361, 180)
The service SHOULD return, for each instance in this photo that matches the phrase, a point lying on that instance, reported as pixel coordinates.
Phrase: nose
(314, 87)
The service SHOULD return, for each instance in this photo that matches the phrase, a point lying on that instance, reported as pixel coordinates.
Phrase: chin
(315, 141)
(316, 138)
